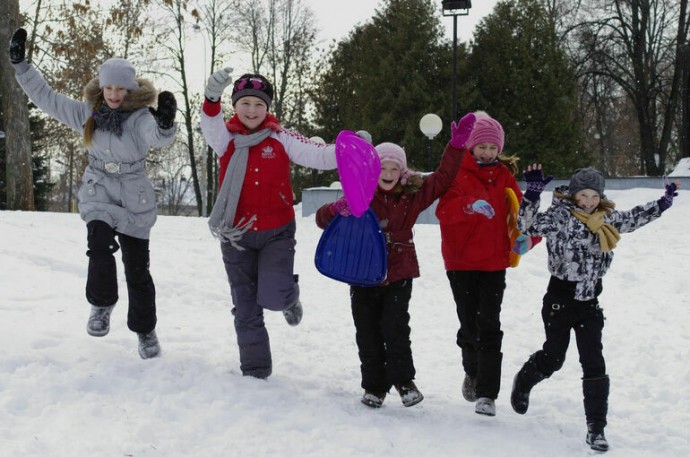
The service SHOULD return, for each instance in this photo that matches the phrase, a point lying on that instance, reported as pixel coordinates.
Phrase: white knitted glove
(217, 83)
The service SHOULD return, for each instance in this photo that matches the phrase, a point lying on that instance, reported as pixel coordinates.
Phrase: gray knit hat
(587, 178)
(117, 72)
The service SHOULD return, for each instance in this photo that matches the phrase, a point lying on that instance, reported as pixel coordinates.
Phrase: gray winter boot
(293, 313)
(148, 345)
(469, 385)
(99, 320)
(528, 376)
(485, 406)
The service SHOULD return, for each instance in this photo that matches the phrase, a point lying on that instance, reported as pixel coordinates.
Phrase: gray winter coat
(574, 251)
(115, 188)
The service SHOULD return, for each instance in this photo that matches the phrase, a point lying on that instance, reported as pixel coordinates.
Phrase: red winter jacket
(398, 211)
(266, 190)
(471, 241)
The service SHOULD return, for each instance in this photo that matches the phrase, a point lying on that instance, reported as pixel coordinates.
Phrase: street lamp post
(430, 125)
(455, 8)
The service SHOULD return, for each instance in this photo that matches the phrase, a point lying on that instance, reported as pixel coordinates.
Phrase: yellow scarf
(607, 233)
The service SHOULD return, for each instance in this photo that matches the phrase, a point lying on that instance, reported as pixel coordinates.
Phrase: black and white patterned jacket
(574, 251)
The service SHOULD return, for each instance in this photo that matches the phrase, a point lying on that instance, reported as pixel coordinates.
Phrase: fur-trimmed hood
(142, 97)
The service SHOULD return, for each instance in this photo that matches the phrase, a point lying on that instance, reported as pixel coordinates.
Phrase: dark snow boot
(373, 399)
(596, 402)
(596, 439)
(99, 320)
(528, 376)
(293, 313)
(148, 345)
(409, 394)
(469, 385)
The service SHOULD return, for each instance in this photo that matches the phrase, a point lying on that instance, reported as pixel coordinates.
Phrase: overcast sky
(336, 19)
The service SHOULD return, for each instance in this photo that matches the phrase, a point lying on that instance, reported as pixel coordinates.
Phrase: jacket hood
(142, 97)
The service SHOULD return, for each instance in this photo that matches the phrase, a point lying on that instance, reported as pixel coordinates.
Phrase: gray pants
(260, 276)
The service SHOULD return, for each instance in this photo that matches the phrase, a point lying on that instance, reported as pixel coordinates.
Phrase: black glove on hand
(666, 200)
(18, 46)
(167, 108)
(536, 182)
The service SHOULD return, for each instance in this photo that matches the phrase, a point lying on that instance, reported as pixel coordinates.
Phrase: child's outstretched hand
(340, 207)
(523, 243)
(167, 108)
(217, 83)
(18, 46)
(536, 182)
(460, 132)
(666, 200)
(484, 208)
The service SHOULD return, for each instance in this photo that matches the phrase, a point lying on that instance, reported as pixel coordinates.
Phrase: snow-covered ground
(64, 393)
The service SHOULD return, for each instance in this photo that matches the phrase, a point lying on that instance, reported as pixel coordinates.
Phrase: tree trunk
(20, 194)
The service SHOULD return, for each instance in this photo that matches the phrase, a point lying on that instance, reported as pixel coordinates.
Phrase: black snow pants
(478, 297)
(382, 324)
(561, 313)
(101, 283)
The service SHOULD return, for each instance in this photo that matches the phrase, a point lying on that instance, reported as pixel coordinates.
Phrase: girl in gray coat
(116, 198)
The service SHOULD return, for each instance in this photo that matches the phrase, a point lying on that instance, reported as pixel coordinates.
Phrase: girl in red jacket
(380, 313)
(253, 215)
(476, 247)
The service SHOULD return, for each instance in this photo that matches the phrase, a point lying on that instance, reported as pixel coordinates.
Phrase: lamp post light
(455, 8)
(430, 125)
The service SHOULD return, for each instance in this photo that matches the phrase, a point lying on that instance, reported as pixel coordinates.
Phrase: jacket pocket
(138, 196)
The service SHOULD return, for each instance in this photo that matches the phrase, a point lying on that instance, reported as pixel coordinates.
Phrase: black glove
(666, 200)
(167, 107)
(536, 182)
(18, 46)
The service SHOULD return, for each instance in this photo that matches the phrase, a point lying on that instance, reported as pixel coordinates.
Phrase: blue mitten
(484, 208)
(523, 243)
(666, 200)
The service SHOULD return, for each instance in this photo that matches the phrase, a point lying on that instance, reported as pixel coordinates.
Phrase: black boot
(409, 393)
(596, 439)
(373, 399)
(528, 376)
(596, 400)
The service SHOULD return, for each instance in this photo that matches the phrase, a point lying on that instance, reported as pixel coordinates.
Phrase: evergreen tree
(386, 75)
(522, 78)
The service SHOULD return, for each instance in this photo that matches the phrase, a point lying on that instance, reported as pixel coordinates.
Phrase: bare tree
(20, 195)
(171, 37)
(637, 44)
(279, 35)
(217, 24)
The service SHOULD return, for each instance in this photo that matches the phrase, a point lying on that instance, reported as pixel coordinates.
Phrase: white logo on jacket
(267, 153)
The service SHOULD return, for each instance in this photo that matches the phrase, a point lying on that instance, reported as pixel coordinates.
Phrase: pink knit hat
(486, 130)
(393, 153)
